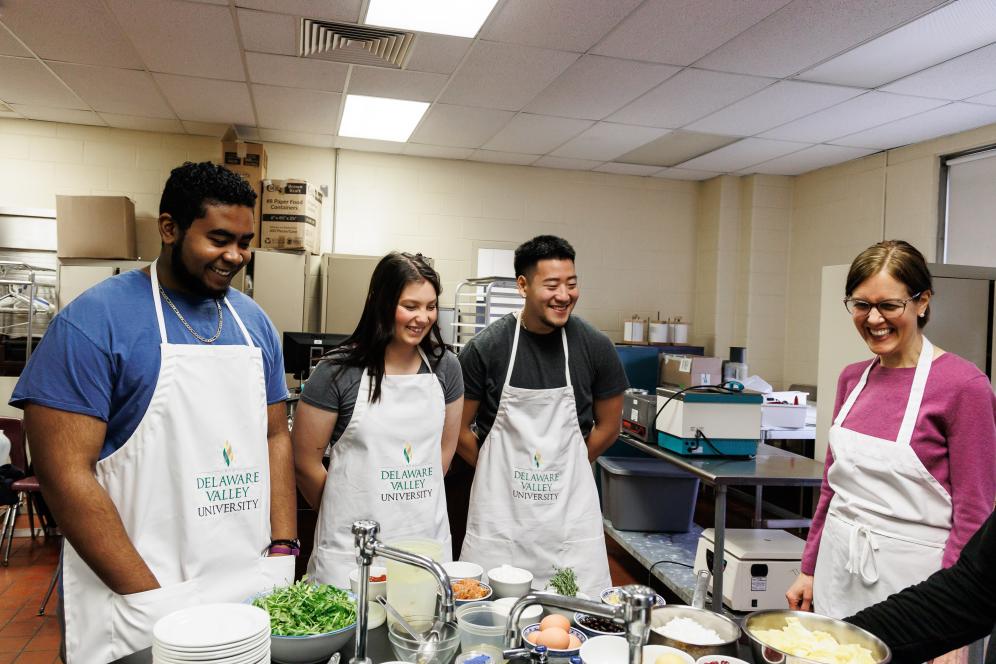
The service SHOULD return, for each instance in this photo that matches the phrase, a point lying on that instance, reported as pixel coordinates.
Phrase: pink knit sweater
(954, 437)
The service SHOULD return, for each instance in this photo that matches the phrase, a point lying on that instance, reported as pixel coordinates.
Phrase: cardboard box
(250, 161)
(148, 242)
(292, 210)
(688, 370)
(95, 227)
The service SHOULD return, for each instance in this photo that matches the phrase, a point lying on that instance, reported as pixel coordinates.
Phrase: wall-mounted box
(95, 227)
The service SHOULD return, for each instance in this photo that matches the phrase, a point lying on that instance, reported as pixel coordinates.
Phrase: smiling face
(896, 339)
(551, 292)
(206, 256)
(416, 312)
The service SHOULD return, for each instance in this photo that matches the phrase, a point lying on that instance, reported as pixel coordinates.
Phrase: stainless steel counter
(770, 467)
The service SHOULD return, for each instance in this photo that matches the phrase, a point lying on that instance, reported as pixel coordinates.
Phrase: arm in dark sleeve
(610, 376)
(952, 608)
(474, 371)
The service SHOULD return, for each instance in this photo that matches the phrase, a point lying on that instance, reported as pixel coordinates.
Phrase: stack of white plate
(216, 633)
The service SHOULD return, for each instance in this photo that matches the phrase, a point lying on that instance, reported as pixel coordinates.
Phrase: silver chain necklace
(187, 325)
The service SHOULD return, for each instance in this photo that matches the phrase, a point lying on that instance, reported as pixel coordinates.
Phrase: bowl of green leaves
(308, 621)
(564, 582)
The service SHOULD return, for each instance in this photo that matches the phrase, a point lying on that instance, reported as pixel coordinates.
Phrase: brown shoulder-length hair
(901, 261)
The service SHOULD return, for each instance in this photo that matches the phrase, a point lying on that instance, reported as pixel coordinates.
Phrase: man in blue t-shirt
(155, 409)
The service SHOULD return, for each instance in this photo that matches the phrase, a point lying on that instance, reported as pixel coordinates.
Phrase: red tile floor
(26, 637)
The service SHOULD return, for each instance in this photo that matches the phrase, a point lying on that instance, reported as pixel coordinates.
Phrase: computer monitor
(303, 350)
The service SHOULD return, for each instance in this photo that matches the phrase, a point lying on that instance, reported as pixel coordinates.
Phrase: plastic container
(481, 624)
(648, 495)
(411, 590)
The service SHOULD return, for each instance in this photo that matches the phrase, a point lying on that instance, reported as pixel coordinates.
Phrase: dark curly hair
(192, 187)
(541, 247)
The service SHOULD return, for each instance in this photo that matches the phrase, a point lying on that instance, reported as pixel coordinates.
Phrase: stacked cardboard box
(95, 227)
(291, 213)
(248, 160)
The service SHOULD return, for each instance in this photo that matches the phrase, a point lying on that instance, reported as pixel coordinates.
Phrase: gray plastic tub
(649, 495)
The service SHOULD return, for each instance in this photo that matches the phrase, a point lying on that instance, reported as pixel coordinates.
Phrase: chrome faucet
(633, 612)
(368, 546)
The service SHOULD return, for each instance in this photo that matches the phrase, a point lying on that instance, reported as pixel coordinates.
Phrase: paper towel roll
(628, 331)
(659, 333)
(679, 333)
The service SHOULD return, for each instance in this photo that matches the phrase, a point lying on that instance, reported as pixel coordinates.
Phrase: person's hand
(800, 594)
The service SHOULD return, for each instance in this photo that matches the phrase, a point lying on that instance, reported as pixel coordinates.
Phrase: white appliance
(759, 565)
(287, 285)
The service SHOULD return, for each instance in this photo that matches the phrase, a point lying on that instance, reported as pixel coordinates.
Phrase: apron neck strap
(425, 358)
(515, 348)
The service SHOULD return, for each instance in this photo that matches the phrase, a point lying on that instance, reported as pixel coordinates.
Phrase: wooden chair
(27, 489)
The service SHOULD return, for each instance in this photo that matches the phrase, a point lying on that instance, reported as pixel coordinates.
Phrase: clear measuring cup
(411, 590)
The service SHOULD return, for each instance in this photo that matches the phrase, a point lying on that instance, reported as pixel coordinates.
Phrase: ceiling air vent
(355, 44)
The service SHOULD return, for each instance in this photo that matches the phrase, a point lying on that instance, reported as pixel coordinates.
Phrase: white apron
(889, 518)
(386, 466)
(192, 486)
(533, 503)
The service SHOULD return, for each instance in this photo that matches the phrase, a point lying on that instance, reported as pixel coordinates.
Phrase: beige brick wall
(635, 237)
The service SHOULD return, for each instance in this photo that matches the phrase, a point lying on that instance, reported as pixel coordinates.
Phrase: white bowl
(309, 649)
(375, 588)
(463, 569)
(611, 596)
(615, 650)
(508, 581)
(529, 616)
(717, 659)
(566, 653)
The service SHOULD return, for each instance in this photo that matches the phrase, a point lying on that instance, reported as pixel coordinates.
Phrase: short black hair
(541, 247)
(192, 187)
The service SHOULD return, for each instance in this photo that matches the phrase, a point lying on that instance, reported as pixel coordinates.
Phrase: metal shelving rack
(20, 284)
(480, 302)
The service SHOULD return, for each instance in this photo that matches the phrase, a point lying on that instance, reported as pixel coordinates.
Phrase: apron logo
(537, 459)
(407, 451)
(227, 453)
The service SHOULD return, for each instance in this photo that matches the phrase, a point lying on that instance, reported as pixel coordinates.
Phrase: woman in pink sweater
(911, 465)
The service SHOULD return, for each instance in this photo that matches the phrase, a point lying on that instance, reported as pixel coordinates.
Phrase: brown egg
(555, 620)
(533, 638)
(575, 643)
(555, 638)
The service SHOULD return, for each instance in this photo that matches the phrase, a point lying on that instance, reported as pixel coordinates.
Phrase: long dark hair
(366, 346)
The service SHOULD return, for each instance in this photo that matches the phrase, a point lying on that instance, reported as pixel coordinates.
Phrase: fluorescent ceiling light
(460, 18)
(380, 118)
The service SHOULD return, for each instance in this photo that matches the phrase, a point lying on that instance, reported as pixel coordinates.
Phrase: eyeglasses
(886, 308)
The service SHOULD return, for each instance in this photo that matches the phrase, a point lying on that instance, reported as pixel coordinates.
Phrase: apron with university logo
(192, 487)
(533, 503)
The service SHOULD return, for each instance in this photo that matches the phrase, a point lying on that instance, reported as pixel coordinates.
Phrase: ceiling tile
(269, 33)
(296, 72)
(161, 125)
(459, 126)
(989, 98)
(439, 54)
(594, 86)
(27, 81)
(297, 138)
(205, 100)
(941, 121)
(688, 96)
(942, 34)
(9, 45)
(122, 91)
(504, 76)
(810, 159)
(395, 83)
(685, 174)
(775, 105)
(436, 152)
(176, 37)
(72, 115)
(607, 140)
(868, 110)
(368, 145)
(556, 24)
(70, 31)
(535, 134)
(569, 164)
(679, 32)
(627, 169)
(308, 111)
(960, 78)
(806, 32)
(214, 129)
(347, 11)
(742, 154)
(676, 147)
(511, 158)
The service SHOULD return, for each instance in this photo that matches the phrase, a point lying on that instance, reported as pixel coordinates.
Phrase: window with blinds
(969, 231)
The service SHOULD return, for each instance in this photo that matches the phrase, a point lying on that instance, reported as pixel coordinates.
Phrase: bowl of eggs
(555, 632)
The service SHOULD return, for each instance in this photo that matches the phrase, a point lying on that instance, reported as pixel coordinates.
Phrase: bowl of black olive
(598, 626)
